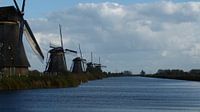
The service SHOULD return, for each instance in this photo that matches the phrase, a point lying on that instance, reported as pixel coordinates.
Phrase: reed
(35, 80)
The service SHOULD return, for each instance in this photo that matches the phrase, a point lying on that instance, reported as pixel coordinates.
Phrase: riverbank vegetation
(192, 75)
(34, 80)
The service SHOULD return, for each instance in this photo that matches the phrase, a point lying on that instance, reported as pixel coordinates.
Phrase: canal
(121, 94)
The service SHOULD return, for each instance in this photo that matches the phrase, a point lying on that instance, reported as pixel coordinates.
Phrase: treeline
(35, 80)
(120, 74)
(193, 75)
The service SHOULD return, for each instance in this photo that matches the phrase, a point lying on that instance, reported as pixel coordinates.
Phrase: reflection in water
(124, 94)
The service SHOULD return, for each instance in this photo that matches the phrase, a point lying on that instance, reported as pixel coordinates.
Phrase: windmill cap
(56, 50)
(77, 59)
(9, 13)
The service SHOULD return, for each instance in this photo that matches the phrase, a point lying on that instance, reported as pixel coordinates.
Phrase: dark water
(127, 94)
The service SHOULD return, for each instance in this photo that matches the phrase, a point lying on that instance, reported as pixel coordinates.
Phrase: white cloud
(157, 35)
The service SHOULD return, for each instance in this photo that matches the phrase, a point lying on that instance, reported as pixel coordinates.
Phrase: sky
(129, 35)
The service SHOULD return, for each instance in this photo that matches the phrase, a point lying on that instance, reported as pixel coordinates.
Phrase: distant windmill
(94, 67)
(90, 65)
(98, 67)
(13, 59)
(78, 65)
(57, 62)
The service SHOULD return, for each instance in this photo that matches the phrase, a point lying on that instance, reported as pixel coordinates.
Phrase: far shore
(193, 75)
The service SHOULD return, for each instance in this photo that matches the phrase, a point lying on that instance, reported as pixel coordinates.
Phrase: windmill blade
(61, 38)
(17, 6)
(84, 61)
(23, 6)
(32, 41)
(79, 46)
(99, 60)
(91, 57)
(21, 29)
(71, 51)
(52, 46)
(47, 62)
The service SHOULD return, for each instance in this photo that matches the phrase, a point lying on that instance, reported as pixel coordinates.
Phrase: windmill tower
(57, 61)
(90, 65)
(98, 67)
(78, 65)
(13, 59)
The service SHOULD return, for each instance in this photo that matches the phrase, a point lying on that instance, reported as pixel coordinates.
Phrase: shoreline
(37, 80)
(184, 77)
(44, 81)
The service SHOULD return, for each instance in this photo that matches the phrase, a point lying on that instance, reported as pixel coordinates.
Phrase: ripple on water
(122, 94)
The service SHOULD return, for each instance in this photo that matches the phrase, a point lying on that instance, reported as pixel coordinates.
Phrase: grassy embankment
(180, 75)
(37, 80)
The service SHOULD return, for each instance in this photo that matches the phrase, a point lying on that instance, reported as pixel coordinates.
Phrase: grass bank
(37, 80)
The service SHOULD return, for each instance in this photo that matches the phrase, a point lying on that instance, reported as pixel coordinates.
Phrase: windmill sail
(32, 41)
(61, 38)
(83, 60)
(71, 51)
(23, 6)
(16, 5)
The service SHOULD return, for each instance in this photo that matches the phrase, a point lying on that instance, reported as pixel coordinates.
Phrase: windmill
(13, 59)
(94, 67)
(56, 62)
(98, 67)
(78, 65)
(90, 65)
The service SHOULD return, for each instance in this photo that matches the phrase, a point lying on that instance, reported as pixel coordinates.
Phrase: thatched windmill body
(13, 59)
(90, 65)
(98, 67)
(57, 62)
(78, 64)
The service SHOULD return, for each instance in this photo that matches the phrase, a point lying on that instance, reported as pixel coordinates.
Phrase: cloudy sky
(126, 34)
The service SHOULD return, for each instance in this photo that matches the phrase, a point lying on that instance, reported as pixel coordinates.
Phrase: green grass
(37, 80)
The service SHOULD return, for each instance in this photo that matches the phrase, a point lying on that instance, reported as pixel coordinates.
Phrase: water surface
(122, 94)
